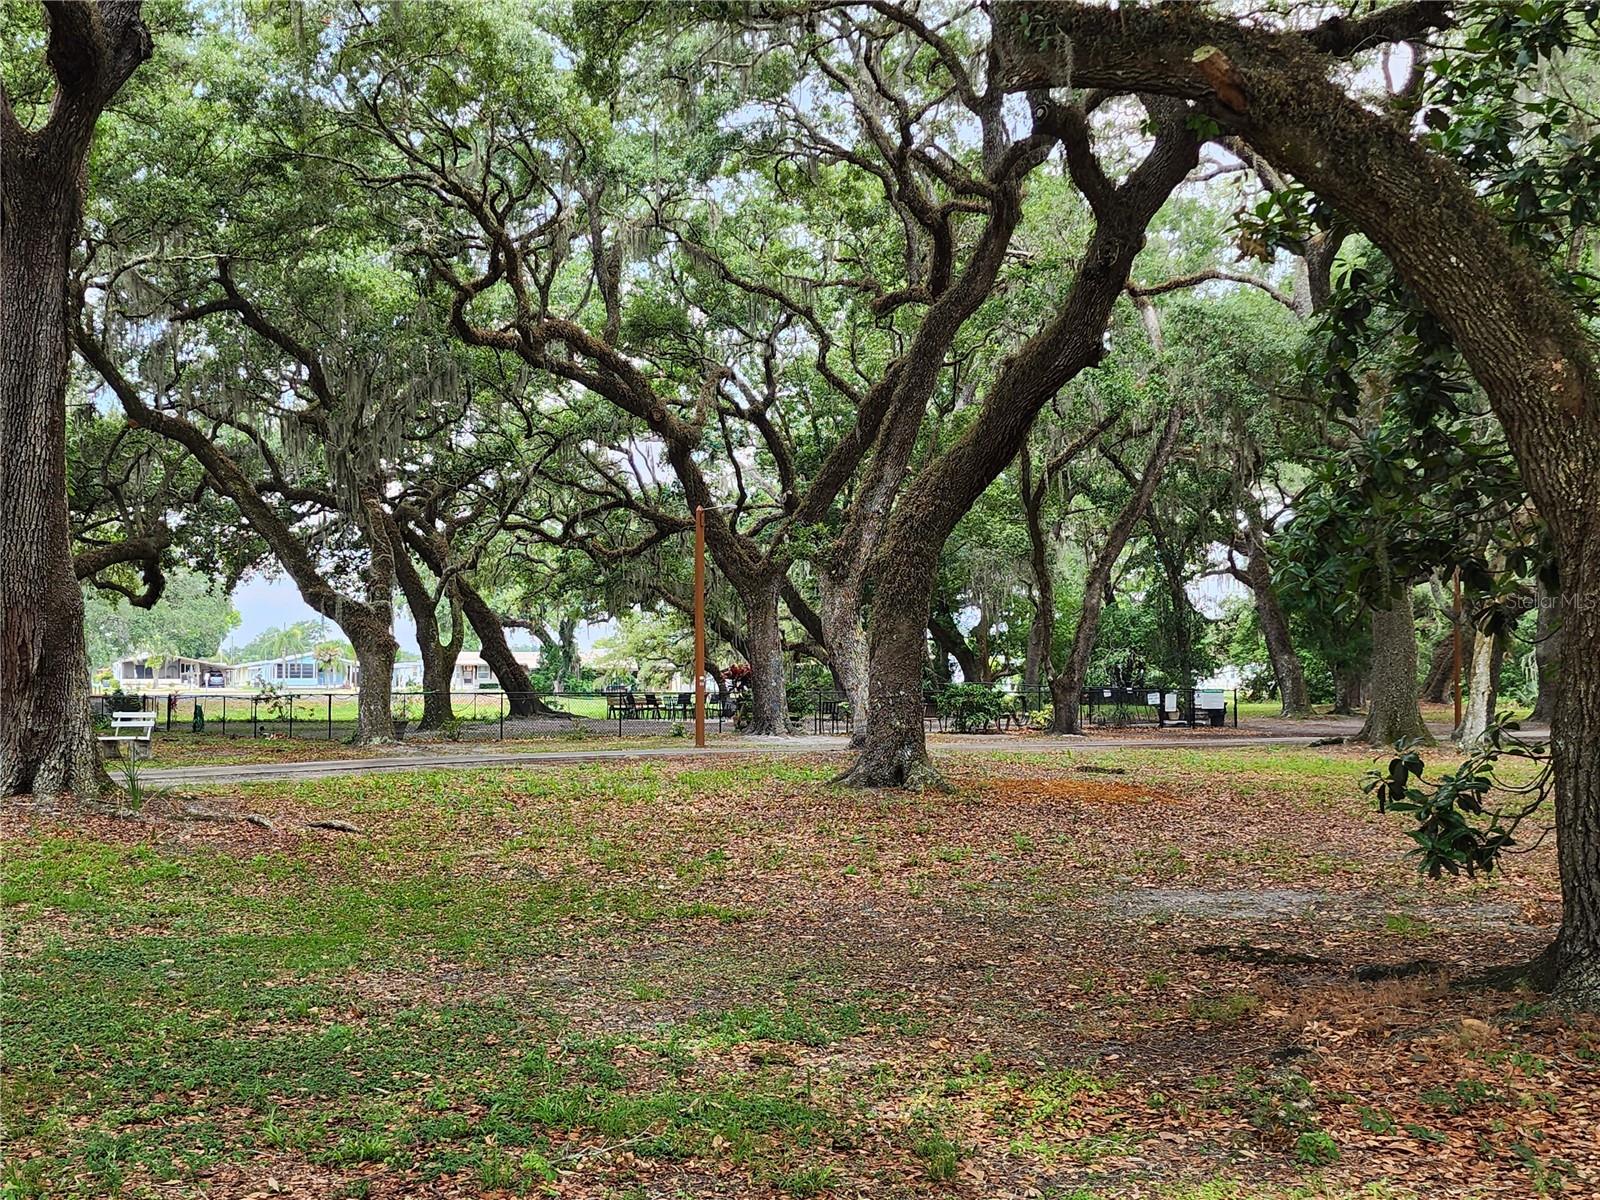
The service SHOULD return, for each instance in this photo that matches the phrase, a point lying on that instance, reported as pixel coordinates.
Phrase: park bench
(132, 729)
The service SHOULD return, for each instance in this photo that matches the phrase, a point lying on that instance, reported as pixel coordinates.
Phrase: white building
(471, 672)
(168, 671)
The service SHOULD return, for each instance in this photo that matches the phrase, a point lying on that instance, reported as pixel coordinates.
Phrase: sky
(265, 602)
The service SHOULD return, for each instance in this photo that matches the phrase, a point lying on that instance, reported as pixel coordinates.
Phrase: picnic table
(652, 705)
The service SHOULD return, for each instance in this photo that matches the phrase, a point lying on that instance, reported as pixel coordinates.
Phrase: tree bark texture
(1442, 665)
(1286, 667)
(438, 654)
(1392, 711)
(1547, 651)
(47, 741)
(769, 700)
(1575, 742)
(1482, 689)
(846, 641)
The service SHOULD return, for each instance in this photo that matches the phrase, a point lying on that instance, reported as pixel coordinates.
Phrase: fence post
(255, 722)
(502, 714)
(291, 716)
(330, 717)
(224, 715)
(1236, 708)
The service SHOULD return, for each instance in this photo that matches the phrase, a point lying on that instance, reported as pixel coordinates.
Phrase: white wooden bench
(134, 729)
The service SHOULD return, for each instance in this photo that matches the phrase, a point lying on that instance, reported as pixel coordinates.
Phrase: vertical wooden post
(1456, 635)
(699, 626)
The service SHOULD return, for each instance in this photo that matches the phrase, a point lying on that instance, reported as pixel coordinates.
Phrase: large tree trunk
(1286, 667)
(1042, 632)
(945, 489)
(896, 753)
(1066, 685)
(1347, 687)
(1482, 691)
(769, 700)
(508, 672)
(438, 655)
(438, 660)
(1442, 666)
(374, 714)
(846, 641)
(47, 741)
(370, 627)
(438, 670)
(1033, 663)
(1575, 743)
(1393, 712)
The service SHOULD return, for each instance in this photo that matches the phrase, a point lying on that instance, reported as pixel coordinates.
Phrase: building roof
(472, 658)
(142, 659)
(284, 658)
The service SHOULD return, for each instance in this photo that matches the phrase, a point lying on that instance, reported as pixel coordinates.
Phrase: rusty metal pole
(699, 626)
(1456, 634)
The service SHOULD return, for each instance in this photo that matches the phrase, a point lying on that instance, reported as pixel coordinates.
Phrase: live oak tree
(549, 256)
(1517, 331)
(47, 124)
(303, 461)
(940, 493)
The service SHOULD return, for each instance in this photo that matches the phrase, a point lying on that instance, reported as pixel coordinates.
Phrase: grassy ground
(696, 979)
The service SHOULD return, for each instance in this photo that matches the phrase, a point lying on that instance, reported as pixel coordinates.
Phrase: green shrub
(971, 706)
(120, 701)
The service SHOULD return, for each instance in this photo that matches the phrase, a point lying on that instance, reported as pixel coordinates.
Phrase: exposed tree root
(1573, 984)
(190, 813)
(1538, 973)
(341, 826)
(1578, 988)
(914, 774)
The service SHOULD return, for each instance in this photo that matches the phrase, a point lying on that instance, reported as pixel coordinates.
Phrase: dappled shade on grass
(740, 980)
